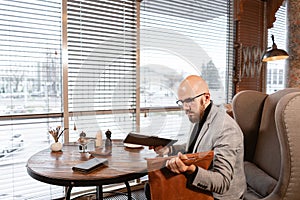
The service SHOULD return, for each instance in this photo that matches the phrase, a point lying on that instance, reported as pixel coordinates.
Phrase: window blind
(101, 66)
(30, 91)
(179, 38)
(249, 35)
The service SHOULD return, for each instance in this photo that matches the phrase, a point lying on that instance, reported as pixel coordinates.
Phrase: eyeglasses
(188, 100)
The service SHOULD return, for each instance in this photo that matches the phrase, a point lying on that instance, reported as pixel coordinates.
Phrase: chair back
(267, 151)
(287, 118)
(255, 113)
(247, 109)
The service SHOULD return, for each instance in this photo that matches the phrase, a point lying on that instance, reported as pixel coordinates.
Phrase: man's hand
(161, 150)
(176, 164)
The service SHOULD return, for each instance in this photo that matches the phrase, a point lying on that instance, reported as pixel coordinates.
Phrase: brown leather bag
(166, 185)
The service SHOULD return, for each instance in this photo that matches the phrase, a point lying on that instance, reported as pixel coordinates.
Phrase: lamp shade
(274, 53)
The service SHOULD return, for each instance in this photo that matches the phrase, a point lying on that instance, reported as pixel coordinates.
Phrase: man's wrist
(191, 169)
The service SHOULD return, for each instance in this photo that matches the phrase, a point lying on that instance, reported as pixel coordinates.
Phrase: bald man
(213, 129)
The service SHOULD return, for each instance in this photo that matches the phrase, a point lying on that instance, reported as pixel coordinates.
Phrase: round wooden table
(124, 164)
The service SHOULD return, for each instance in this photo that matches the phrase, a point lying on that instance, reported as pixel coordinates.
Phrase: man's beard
(195, 119)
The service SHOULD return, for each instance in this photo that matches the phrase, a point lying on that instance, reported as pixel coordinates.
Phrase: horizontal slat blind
(30, 57)
(15, 183)
(249, 34)
(179, 38)
(102, 64)
(30, 91)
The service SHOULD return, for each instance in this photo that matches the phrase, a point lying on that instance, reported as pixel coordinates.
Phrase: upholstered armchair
(271, 127)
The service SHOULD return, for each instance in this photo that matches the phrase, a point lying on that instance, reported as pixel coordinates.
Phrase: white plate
(132, 145)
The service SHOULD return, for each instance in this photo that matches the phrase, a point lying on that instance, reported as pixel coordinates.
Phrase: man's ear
(207, 97)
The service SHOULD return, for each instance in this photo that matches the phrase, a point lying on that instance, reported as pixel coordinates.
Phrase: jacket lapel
(205, 126)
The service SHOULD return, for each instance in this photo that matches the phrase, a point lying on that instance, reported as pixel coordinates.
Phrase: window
(279, 31)
(30, 91)
(269, 77)
(178, 39)
(280, 77)
(102, 66)
(275, 75)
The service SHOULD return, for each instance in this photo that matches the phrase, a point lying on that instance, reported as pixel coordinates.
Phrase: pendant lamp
(274, 53)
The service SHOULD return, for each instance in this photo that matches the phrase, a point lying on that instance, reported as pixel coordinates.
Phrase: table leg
(128, 190)
(99, 192)
(68, 192)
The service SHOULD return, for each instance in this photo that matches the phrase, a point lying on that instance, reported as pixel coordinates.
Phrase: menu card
(90, 165)
(146, 140)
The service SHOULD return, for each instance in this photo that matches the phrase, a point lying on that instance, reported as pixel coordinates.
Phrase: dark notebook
(146, 140)
(90, 165)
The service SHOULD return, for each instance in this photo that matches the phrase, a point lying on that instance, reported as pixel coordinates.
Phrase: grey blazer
(220, 133)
